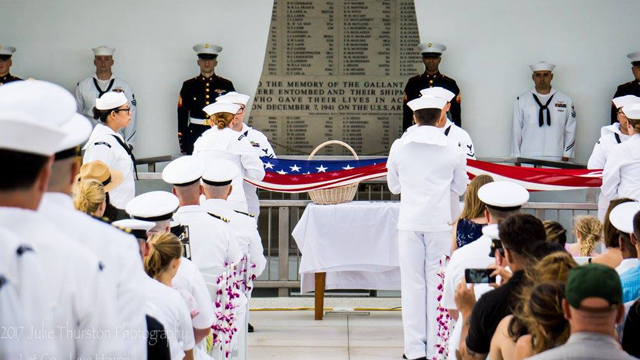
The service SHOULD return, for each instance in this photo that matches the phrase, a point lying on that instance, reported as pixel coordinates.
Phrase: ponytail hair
(88, 196)
(102, 115)
(590, 229)
(222, 120)
(635, 123)
(163, 248)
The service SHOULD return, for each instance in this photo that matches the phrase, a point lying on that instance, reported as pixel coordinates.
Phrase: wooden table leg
(319, 294)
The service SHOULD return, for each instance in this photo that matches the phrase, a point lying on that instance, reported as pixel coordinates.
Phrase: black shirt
(490, 310)
(630, 88)
(420, 82)
(631, 331)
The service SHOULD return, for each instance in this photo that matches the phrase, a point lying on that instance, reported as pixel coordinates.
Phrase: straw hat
(98, 170)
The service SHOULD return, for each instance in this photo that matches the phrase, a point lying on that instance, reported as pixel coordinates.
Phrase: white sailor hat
(542, 66)
(622, 101)
(111, 100)
(207, 49)
(138, 228)
(221, 107)
(503, 195)
(621, 217)
(632, 111)
(183, 171)
(153, 206)
(634, 56)
(438, 92)
(7, 50)
(220, 172)
(25, 126)
(427, 102)
(432, 48)
(103, 51)
(233, 97)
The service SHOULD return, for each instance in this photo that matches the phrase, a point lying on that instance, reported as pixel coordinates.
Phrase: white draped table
(355, 244)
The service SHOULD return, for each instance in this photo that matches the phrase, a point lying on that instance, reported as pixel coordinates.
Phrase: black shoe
(404, 356)
(422, 358)
(250, 328)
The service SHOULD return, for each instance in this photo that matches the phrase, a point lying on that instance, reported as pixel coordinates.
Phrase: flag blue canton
(301, 167)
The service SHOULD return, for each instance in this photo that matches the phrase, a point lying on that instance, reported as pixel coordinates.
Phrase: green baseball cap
(593, 281)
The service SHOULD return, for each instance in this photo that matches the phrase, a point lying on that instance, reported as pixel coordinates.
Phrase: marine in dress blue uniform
(630, 88)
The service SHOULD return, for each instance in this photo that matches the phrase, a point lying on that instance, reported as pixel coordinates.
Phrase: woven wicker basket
(337, 195)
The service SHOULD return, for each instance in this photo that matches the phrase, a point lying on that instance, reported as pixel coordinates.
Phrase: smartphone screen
(479, 276)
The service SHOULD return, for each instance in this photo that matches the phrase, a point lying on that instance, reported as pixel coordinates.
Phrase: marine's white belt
(197, 121)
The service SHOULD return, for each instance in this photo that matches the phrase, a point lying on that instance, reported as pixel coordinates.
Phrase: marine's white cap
(221, 107)
(621, 216)
(220, 172)
(138, 228)
(153, 206)
(103, 51)
(427, 102)
(183, 171)
(210, 49)
(503, 195)
(234, 98)
(25, 126)
(622, 101)
(432, 48)
(542, 66)
(438, 92)
(634, 56)
(632, 111)
(111, 100)
(7, 50)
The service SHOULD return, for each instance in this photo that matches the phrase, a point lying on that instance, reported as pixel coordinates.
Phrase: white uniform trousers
(420, 254)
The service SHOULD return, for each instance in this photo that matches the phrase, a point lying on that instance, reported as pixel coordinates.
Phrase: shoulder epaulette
(244, 213)
(102, 143)
(242, 136)
(23, 249)
(219, 217)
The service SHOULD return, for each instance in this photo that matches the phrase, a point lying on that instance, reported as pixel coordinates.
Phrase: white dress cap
(111, 100)
(103, 51)
(7, 50)
(503, 195)
(31, 115)
(183, 171)
(138, 228)
(621, 216)
(622, 101)
(438, 92)
(210, 49)
(234, 98)
(632, 111)
(427, 102)
(220, 172)
(221, 107)
(153, 206)
(542, 66)
(432, 48)
(634, 56)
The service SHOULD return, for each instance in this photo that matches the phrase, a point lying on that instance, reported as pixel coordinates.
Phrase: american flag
(297, 176)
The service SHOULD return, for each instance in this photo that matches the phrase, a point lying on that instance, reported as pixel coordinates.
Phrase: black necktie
(100, 92)
(542, 108)
(128, 150)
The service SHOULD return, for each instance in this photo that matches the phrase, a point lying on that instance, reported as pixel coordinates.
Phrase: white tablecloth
(355, 243)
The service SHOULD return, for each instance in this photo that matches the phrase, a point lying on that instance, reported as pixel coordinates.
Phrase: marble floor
(294, 335)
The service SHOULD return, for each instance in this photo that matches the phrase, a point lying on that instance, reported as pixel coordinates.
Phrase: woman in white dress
(106, 144)
(221, 141)
(621, 174)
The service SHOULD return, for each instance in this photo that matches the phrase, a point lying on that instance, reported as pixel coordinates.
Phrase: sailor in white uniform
(610, 136)
(621, 174)
(502, 199)
(212, 243)
(221, 141)
(425, 217)
(12, 345)
(73, 275)
(103, 81)
(159, 207)
(117, 251)
(259, 142)
(544, 120)
(107, 145)
(621, 218)
(217, 180)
